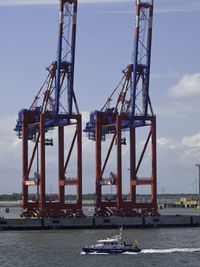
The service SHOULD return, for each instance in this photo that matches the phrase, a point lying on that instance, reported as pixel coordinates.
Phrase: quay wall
(100, 222)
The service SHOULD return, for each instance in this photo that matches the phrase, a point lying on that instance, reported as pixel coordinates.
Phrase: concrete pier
(169, 217)
(100, 222)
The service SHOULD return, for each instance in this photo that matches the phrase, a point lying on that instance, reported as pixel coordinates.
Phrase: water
(160, 247)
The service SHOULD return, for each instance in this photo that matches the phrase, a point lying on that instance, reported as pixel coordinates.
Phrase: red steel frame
(42, 207)
(124, 207)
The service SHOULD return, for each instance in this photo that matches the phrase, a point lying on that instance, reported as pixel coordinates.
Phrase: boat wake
(93, 253)
(151, 251)
(167, 250)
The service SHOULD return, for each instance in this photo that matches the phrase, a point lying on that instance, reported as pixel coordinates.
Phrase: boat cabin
(108, 243)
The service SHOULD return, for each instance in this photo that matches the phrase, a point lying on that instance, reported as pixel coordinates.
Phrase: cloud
(26, 2)
(188, 86)
(169, 75)
(184, 103)
(191, 141)
(183, 152)
(176, 160)
(183, 9)
(9, 144)
(159, 7)
(176, 109)
(177, 155)
(52, 2)
(166, 142)
(176, 163)
(177, 6)
(156, 76)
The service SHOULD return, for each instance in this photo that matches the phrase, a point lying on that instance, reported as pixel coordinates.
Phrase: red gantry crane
(131, 111)
(52, 109)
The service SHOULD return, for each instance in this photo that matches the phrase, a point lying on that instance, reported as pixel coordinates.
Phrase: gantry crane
(131, 110)
(53, 108)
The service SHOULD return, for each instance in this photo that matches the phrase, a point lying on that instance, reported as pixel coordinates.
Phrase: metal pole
(135, 65)
(42, 163)
(24, 159)
(119, 164)
(38, 193)
(98, 161)
(59, 58)
(198, 165)
(61, 163)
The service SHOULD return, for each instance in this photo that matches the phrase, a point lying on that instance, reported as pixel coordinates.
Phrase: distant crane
(53, 107)
(131, 110)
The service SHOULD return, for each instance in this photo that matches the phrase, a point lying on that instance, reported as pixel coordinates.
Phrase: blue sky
(105, 33)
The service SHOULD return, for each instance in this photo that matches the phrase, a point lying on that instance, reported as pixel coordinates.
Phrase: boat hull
(111, 251)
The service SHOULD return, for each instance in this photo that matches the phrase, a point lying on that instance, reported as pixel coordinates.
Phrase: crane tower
(131, 110)
(52, 109)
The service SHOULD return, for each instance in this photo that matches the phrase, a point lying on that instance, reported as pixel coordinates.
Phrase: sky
(105, 30)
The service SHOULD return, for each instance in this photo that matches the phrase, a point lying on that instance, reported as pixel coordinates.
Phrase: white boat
(113, 245)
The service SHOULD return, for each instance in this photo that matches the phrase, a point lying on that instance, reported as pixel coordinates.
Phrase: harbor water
(160, 247)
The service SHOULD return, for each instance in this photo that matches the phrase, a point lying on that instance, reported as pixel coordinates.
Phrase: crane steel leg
(98, 165)
(127, 207)
(42, 165)
(75, 209)
(132, 165)
(119, 164)
(61, 192)
(24, 160)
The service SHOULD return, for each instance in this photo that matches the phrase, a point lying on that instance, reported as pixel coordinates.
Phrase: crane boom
(66, 57)
(133, 90)
(56, 95)
(142, 56)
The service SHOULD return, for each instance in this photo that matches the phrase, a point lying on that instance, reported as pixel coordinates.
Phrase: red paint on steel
(44, 207)
(98, 161)
(42, 163)
(70, 151)
(154, 162)
(143, 152)
(125, 207)
(119, 163)
(76, 208)
(132, 165)
(32, 157)
(108, 154)
(61, 171)
(79, 161)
